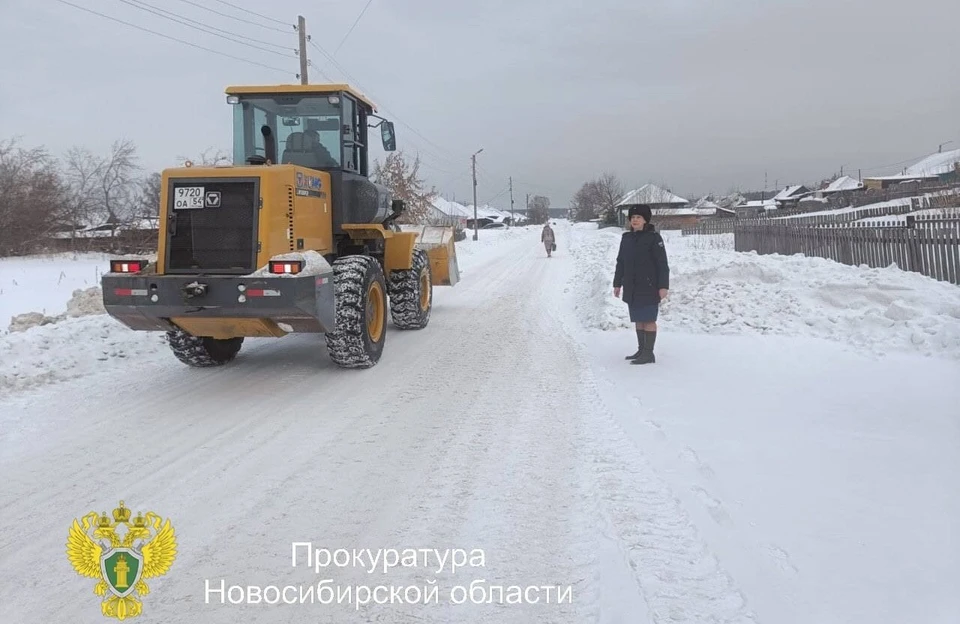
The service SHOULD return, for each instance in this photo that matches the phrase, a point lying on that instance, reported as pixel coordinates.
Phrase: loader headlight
(233, 99)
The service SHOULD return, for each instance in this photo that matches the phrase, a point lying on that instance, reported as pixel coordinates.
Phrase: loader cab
(323, 127)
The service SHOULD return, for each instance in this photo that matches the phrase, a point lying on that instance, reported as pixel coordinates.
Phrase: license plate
(188, 198)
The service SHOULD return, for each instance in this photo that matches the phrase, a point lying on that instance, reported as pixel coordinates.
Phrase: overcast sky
(698, 95)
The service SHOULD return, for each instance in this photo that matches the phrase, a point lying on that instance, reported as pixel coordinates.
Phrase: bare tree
(598, 198)
(539, 209)
(82, 175)
(403, 179)
(119, 182)
(210, 157)
(30, 195)
(102, 189)
(609, 193)
(148, 202)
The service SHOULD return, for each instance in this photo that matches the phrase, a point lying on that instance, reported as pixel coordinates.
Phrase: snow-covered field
(791, 458)
(44, 283)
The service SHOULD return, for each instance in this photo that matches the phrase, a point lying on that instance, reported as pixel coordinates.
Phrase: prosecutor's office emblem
(121, 560)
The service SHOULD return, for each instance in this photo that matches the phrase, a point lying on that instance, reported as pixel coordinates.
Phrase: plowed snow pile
(43, 283)
(87, 302)
(718, 291)
(68, 349)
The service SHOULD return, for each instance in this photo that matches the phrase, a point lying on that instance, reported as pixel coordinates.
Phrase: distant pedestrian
(548, 238)
(644, 275)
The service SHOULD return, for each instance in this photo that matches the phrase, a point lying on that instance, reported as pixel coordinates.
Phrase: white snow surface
(935, 164)
(843, 183)
(791, 458)
(718, 291)
(44, 283)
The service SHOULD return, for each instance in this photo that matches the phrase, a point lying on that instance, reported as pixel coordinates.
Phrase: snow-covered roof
(934, 164)
(844, 183)
(651, 194)
(903, 177)
(451, 208)
(674, 212)
(787, 193)
(703, 202)
(767, 204)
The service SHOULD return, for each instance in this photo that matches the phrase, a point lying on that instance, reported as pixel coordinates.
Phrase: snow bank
(44, 283)
(718, 291)
(72, 348)
(86, 302)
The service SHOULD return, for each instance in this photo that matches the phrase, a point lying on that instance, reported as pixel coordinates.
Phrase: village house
(790, 196)
(669, 211)
(938, 167)
(755, 208)
(707, 208)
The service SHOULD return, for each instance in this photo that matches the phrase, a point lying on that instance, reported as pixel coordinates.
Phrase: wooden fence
(712, 227)
(926, 244)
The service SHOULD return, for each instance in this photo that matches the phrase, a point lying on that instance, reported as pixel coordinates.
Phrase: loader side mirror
(388, 137)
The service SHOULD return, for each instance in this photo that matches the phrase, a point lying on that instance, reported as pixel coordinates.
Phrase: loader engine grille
(213, 226)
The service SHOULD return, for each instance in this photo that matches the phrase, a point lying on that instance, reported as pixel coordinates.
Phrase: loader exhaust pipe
(269, 145)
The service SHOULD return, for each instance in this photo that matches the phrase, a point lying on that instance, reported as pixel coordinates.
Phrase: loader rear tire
(361, 304)
(411, 293)
(201, 352)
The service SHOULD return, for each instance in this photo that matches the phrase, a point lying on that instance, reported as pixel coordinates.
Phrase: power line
(357, 21)
(229, 32)
(449, 158)
(239, 8)
(239, 19)
(320, 71)
(159, 34)
(206, 29)
(356, 82)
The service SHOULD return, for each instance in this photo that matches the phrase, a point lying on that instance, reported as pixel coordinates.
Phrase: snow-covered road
(512, 426)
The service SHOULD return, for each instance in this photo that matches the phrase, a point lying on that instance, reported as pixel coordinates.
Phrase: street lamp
(474, 159)
(940, 147)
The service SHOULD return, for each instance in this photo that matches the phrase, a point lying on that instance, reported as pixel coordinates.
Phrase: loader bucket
(438, 242)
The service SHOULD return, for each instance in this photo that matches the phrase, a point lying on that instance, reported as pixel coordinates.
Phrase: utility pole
(475, 218)
(528, 207)
(302, 32)
(513, 216)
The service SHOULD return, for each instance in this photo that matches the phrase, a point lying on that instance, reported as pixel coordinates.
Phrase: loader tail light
(289, 267)
(126, 266)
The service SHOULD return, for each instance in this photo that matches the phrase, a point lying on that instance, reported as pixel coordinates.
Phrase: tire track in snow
(678, 576)
(503, 483)
(680, 579)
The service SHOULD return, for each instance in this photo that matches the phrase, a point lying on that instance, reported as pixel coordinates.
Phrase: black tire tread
(405, 294)
(347, 345)
(202, 352)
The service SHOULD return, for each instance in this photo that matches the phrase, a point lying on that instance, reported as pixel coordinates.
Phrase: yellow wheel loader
(293, 237)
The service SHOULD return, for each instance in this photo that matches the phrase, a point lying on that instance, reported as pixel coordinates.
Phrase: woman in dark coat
(644, 275)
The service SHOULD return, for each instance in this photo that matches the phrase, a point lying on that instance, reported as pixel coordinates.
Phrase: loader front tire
(361, 304)
(411, 293)
(201, 352)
